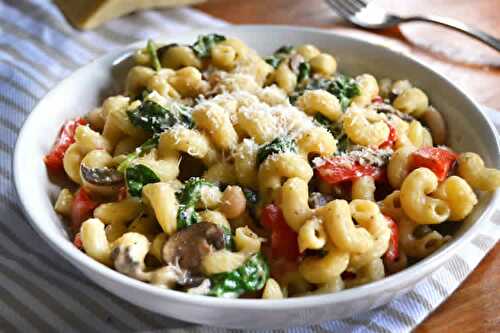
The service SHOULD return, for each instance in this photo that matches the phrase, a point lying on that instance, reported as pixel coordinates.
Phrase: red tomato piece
(77, 241)
(82, 209)
(391, 139)
(283, 238)
(342, 168)
(438, 160)
(280, 267)
(54, 159)
(377, 99)
(392, 253)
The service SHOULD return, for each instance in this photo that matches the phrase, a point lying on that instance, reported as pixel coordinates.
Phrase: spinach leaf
(343, 87)
(285, 49)
(251, 276)
(274, 61)
(151, 117)
(188, 198)
(139, 151)
(151, 47)
(336, 130)
(186, 216)
(323, 121)
(228, 239)
(252, 200)
(279, 145)
(136, 176)
(279, 55)
(205, 43)
(154, 118)
(183, 115)
(250, 195)
(304, 71)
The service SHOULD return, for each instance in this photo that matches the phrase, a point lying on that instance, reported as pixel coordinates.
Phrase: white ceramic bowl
(469, 131)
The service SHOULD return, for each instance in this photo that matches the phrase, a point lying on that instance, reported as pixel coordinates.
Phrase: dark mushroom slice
(389, 109)
(101, 180)
(188, 246)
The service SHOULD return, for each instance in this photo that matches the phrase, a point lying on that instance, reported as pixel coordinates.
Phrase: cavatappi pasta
(222, 173)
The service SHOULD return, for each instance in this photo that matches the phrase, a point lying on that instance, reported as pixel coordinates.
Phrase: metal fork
(369, 17)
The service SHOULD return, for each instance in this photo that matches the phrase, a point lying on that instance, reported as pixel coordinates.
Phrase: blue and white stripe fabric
(40, 291)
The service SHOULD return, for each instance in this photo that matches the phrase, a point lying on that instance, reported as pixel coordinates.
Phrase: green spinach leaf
(183, 115)
(304, 71)
(228, 239)
(151, 47)
(136, 176)
(285, 49)
(251, 276)
(154, 118)
(139, 151)
(336, 130)
(343, 87)
(252, 200)
(274, 61)
(205, 43)
(279, 55)
(250, 195)
(279, 145)
(188, 198)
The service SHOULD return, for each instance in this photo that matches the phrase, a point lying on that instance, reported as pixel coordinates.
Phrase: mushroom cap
(188, 246)
(101, 176)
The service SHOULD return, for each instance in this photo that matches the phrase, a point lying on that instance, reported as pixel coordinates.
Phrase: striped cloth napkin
(40, 291)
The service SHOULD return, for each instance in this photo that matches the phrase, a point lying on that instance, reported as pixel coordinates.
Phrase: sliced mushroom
(187, 247)
(101, 180)
(129, 260)
(389, 109)
(435, 121)
(101, 176)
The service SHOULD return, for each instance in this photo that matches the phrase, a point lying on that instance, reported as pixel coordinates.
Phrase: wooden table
(475, 306)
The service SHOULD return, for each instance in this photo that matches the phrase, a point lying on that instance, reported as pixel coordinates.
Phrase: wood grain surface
(475, 306)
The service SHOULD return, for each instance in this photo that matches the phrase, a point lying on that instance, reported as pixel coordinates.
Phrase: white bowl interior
(85, 89)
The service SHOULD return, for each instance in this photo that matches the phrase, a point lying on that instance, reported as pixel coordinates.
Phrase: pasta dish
(219, 172)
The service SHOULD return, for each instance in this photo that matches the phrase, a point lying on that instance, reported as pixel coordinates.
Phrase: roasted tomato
(392, 253)
(66, 136)
(82, 209)
(342, 168)
(283, 238)
(391, 139)
(438, 160)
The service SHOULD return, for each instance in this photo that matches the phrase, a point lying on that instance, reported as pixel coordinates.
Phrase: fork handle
(459, 26)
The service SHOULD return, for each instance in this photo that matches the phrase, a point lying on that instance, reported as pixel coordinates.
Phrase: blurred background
(469, 63)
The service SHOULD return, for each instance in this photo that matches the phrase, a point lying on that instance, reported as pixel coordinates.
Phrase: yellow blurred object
(88, 14)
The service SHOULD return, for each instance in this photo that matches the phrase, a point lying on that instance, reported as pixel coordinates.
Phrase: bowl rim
(85, 263)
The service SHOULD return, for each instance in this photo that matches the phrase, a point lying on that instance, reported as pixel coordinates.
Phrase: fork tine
(339, 7)
(349, 6)
(361, 3)
(355, 5)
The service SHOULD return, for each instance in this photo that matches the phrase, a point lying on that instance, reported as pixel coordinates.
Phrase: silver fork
(369, 17)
